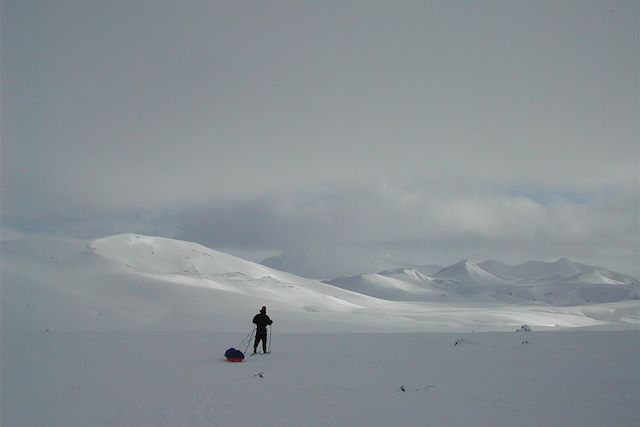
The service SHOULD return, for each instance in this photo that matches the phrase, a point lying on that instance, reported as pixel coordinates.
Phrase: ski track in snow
(203, 413)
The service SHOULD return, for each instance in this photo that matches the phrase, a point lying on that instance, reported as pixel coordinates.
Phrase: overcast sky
(439, 130)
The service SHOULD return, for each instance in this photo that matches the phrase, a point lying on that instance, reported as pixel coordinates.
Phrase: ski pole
(270, 330)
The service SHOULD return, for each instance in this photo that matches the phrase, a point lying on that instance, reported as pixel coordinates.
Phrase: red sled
(234, 355)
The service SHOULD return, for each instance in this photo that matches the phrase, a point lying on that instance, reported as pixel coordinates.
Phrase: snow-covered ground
(131, 330)
(174, 379)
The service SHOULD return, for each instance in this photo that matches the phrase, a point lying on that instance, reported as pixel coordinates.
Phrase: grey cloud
(221, 121)
(413, 224)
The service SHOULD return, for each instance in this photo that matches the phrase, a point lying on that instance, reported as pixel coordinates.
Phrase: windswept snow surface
(176, 379)
(131, 330)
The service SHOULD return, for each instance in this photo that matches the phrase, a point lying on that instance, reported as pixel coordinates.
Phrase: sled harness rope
(247, 339)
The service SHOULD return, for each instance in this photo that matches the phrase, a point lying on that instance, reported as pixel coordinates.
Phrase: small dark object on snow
(259, 374)
(234, 355)
(460, 341)
(402, 388)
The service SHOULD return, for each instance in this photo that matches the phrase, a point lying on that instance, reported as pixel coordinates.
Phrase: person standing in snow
(261, 320)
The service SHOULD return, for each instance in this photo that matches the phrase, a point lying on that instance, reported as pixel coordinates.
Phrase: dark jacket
(261, 320)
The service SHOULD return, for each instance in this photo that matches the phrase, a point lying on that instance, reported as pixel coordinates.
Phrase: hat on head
(263, 309)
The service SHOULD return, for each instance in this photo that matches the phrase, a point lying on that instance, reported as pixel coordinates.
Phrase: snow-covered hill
(141, 282)
(127, 281)
(166, 256)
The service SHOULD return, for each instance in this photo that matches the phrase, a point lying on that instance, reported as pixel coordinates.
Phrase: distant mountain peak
(470, 273)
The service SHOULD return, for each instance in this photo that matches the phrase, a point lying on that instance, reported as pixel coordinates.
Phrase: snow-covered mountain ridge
(559, 283)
